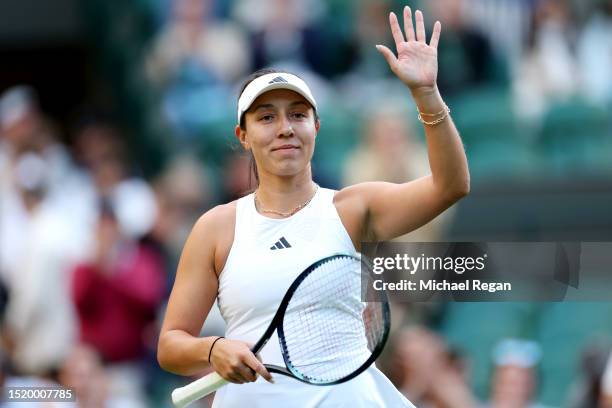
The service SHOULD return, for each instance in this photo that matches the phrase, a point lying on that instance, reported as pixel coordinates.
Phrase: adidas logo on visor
(277, 80)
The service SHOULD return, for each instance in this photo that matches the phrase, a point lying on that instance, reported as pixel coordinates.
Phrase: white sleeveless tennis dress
(266, 256)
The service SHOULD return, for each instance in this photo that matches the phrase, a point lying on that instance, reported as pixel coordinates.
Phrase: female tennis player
(246, 253)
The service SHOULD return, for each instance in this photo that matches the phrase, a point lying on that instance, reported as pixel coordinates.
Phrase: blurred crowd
(88, 246)
(544, 50)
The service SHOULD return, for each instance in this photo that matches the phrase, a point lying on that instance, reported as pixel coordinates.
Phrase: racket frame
(277, 324)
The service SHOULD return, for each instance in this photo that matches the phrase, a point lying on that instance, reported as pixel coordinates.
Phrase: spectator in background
(183, 192)
(24, 129)
(466, 58)
(116, 295)
(390, 151)
(8, 377)
(118, 288)
(84, 373)
(593, 389)
(41, 234)
(548, 71)
(369, 77)
(370, 27)
(40, 321)
(514, 381)
(506, 23)
(427, 373)
(282, 32)
(290, 35)
(595, 55)
(100, 148)
(194, 61)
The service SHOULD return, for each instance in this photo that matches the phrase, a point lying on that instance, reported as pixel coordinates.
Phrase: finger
(233, 378)
(247, 374)
(408, 27)
(435, 37)
(259, 368)
(388, 54)
(398, 37)
(420, 26)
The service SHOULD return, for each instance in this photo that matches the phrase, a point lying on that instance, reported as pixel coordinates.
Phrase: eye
(299, 115)
(266, 118)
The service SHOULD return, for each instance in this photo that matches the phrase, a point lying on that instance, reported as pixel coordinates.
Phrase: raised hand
(416, 63)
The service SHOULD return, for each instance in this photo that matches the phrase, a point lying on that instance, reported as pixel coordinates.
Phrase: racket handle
(183, 396)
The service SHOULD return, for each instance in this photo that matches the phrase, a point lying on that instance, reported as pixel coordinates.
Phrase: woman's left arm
(392, 210)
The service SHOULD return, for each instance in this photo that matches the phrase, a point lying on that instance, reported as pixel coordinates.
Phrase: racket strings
(329, 332)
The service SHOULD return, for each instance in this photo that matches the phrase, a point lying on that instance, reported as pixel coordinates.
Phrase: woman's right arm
(180, 349)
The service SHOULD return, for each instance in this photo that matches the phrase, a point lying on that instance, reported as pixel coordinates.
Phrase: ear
(241, 136)
(317, 127)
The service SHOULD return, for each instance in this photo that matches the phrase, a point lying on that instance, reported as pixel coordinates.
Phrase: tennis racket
(331, 326)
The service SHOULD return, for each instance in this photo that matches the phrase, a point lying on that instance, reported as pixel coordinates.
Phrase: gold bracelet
(445, 113)
(434, 114)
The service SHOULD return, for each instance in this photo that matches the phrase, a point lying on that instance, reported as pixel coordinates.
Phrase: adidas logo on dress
(280, 244)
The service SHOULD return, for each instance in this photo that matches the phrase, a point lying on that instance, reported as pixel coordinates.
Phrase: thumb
(389, 56)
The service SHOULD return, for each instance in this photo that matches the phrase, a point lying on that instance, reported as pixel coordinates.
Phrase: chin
(287, 173)
(290, 170)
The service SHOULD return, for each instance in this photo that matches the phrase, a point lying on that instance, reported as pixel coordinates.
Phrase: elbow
(462, 186)
(166, 363)
(457, 191)
(452, 186)
(463, 189)
(164, 358)
(171, 359)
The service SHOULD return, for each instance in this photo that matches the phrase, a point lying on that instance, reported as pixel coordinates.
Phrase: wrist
(212, 345)
(424, 93)
(428, 91)
(428, 99)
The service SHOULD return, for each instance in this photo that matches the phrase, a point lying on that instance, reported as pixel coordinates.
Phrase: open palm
(416, 63)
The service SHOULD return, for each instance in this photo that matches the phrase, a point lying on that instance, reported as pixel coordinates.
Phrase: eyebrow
(262, 106)
(269, 105)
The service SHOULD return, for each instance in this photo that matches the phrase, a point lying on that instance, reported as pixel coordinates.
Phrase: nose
(285, 128)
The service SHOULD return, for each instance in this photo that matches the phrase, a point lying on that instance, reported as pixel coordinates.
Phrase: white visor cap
(269, 82)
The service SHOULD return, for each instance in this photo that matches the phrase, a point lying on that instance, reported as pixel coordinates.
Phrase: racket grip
(183, 396)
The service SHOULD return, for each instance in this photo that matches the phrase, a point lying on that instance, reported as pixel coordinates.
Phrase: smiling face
(280, 130)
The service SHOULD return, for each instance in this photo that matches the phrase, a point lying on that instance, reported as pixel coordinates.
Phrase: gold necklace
(288, 213)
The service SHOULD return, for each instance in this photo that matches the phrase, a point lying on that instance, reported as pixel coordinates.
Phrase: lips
(285, 147)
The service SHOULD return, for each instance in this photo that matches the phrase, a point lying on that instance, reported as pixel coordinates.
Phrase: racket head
(331, 308)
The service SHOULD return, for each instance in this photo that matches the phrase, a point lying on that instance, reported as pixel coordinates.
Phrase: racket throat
(262, 342)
